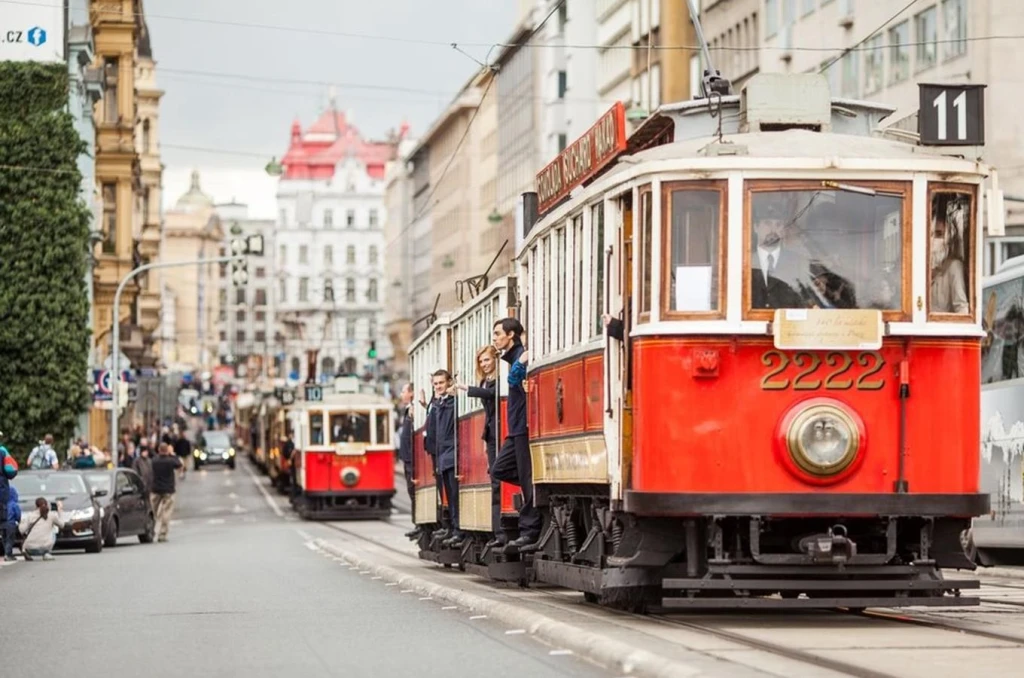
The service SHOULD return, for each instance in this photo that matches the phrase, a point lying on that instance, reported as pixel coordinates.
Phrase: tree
(44, 230)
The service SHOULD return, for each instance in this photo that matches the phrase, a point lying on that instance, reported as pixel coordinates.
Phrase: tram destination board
(581, 159)
(951, 115)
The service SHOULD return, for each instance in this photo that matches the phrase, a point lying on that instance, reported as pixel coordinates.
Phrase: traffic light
(372, 353)
(239, 267)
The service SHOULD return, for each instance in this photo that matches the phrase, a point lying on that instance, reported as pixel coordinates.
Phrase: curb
(596, 647)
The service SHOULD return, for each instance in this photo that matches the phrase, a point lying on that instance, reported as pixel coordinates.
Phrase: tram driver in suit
(778, 272)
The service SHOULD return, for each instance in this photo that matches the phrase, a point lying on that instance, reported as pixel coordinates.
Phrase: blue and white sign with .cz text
(32, 32)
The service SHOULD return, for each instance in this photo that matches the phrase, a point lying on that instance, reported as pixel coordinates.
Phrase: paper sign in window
(693, 288)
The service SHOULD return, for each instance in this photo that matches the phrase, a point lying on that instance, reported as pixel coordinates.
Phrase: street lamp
(274, 168)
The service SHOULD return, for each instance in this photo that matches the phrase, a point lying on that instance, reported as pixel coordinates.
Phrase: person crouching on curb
(39, 528)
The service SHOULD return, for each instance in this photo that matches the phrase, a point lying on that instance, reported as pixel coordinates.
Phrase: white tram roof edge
(457, 314)
(443, 320)
(344, 401)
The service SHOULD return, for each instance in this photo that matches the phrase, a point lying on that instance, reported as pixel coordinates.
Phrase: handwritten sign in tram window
(814, 329)
(693, 288)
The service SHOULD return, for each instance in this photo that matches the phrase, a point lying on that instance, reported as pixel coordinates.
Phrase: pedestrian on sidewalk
(144, 467)
(40, 528)
(165, 466)
(9, 527)
(44, 456)
(8, 470)
(183, 449)
(82, 458)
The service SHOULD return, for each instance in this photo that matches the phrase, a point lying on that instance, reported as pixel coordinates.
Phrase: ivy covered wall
(44, 342)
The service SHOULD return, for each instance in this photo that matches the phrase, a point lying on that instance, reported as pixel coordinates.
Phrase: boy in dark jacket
(440, 444)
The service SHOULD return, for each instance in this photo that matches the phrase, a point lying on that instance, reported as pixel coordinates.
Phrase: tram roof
(344, 401)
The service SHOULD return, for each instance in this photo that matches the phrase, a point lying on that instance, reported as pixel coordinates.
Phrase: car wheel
(112, 533)
(147, 536)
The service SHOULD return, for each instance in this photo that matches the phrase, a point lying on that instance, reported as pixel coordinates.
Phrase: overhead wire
(867, 37)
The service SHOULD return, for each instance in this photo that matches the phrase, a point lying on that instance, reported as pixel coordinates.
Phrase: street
(238, 591)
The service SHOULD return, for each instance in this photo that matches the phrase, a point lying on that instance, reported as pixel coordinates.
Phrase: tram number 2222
(839, 373)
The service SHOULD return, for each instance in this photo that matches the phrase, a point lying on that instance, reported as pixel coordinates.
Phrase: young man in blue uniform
(513, 463)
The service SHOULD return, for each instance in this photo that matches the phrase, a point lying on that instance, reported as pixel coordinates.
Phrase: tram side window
(646, 233)
(836, 246)
(316, 428)
(382, 427)
(350, 427)
(694, 247)
(1002, 319)
(949, 252)
(598, 259)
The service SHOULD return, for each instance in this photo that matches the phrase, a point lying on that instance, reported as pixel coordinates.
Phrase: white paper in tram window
(693, 288)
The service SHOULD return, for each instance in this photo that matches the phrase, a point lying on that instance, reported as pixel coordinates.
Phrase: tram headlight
(823, 440)
(350, 476)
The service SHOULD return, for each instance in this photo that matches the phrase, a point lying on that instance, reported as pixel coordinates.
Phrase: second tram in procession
(744, 322)
(345, 458)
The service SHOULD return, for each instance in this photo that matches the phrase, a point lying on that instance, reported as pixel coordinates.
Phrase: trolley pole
(255, 247)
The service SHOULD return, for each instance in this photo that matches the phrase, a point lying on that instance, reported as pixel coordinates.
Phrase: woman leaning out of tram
(486, 373)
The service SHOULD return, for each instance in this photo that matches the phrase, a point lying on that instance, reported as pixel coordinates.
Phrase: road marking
(479, 616)
(559, 653)
(515, 632)
(391, 584)
(238, 509)
(407, 591)
(229, 483)
(305, 535)
(426, 598)
(375, 578)
(266, 495)
(450, 607)
(215, 521)
(232, 495)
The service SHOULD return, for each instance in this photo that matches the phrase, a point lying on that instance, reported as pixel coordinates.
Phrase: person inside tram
(777, 269)
(487, 379)
(440, 445)
(949, 279)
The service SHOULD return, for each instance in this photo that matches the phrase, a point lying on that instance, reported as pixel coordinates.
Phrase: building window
(261, 316)
(283, 254)
(282, 217)
(874, 65)
(240, 336)
(145, 136)
(110, 218)
(240, 296)
(563, 141)
(926, 37)
(328, 218)
(303, 254)
(563, 17)
(303, 289)
(261, 336)
(372, 326)
(371, 292)
(240, 315)
(373, 254)
(563, 84)
(328, 255)
(350, 218)
(954, 19)
(261, 272)
(771, 18)
(223, 270)
(350, 328)
(261, 297)
(350, 290)
(222, 297)
(223, 336)
(850, 83)
(899, 53)
(373, 219)
(282, 291)
(350, 254)
(111, 66)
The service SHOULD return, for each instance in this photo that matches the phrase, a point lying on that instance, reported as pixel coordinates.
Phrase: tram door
(618, 397)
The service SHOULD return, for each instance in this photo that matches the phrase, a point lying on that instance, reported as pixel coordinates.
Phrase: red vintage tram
(451, 343)
(795, 291)
(346, 461)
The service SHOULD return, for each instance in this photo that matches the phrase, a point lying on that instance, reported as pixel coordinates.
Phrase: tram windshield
(350, 427)
(836, 247)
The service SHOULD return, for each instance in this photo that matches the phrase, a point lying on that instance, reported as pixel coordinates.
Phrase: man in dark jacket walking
(440, 444)
(514, 464)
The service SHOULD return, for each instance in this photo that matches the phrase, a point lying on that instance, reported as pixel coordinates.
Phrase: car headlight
(83, 514)
(350, 476)
(196, 452)
(202, 456)
(231, 451)
(823, 440)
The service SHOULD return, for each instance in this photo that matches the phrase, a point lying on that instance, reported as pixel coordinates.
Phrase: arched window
(327, 367)
(145, 136)
(373, 254)
(371, 292)
(350, 290)
(350, 365)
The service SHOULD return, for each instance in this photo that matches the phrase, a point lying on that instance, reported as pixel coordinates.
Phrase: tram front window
(838, 247)
(350, 427)
(316, 428)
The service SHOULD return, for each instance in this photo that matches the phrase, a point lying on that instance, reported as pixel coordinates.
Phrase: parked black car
(214, 447)
(83, 514)
(126, 508)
